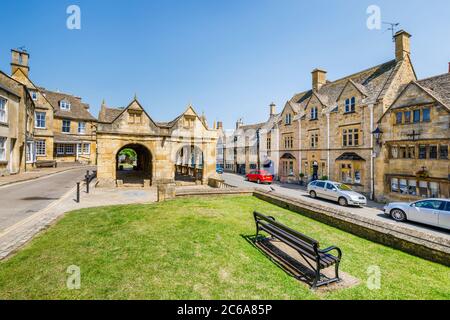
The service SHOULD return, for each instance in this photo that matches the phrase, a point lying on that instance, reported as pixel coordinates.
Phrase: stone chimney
(219, 125)
(239, 124)
(402, 45)
(273, 109)
(319, 78)
(20, 60)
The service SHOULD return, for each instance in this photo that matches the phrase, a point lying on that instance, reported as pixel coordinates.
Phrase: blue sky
(230, 58)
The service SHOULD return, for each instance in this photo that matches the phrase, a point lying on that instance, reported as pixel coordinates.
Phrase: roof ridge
(362, 71)
(433, 77)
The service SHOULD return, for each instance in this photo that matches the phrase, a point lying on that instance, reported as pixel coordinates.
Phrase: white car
(435, 212)
(336, 191)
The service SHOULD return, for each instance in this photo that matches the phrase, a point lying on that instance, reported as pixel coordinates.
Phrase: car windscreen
(344, 187)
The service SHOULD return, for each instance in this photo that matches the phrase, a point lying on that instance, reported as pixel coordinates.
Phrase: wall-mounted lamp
(378, 134)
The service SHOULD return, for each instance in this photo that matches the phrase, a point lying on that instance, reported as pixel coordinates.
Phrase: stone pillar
(166, 190)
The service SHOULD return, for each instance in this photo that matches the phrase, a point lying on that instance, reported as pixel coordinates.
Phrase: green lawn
(193, 249)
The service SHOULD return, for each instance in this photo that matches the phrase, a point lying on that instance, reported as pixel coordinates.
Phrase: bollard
(78, 192)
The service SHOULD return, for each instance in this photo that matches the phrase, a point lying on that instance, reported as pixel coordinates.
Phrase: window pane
(407, 116)
(416, 116)
(433, 152)
(422, 152)
(426, 114)
(434, 188)
(394, 185)
(403, 186)
(399, 118)
(412, 184)
(443, 152)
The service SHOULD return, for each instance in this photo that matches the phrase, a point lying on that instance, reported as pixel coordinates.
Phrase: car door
(251, 176)
(425, 211)
(444, 216)
(330, 192)
(320, 189)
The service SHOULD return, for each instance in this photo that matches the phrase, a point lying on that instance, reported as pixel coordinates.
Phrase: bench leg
(336, 270)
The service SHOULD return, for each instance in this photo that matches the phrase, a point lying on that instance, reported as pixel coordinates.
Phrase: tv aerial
(392, 27)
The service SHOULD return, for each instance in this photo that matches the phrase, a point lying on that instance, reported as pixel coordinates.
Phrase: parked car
(336, 191)
(259, 176)
(219, 169)
(435, 212)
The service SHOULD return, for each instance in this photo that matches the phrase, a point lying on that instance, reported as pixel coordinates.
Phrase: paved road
(373, 209)
(21, 200)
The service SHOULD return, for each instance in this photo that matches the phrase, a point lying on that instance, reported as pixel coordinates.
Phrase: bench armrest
(339, 251)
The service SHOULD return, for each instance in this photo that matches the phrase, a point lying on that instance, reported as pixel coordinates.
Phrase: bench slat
(326, 260)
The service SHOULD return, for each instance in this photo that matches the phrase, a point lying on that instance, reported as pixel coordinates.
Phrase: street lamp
(378, 134)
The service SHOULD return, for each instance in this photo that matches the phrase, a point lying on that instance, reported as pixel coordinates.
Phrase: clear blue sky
(229, 58)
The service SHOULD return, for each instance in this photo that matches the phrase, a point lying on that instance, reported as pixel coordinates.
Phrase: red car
(259, 176)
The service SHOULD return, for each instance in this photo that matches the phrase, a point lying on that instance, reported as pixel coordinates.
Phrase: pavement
(373, 209)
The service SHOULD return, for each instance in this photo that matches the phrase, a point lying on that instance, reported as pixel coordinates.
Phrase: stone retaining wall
(417, 243)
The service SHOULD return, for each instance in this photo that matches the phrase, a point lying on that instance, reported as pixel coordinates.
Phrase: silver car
(336, 191)
(435, 212)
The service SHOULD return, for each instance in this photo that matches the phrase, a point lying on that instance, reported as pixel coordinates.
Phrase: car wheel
(313, 194)
(343, 202)
(398, 215)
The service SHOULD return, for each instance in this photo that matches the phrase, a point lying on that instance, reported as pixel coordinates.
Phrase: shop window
(412, 187)
(394, 185)
(403, 186)
(423, 189)
(434, 190)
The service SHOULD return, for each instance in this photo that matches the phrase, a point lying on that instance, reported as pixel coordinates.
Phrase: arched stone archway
(189, 164)
(137, 170)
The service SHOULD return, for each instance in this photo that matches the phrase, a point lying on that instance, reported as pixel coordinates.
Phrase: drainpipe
(299, 146)
(372, 154)
(328, 145)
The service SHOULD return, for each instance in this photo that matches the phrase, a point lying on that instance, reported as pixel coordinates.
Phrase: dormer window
(33, 95)
(350, 105)
(314, 113)
(288, 119)
(64, 105)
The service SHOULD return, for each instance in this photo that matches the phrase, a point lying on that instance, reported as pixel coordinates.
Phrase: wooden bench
(46, 164)
(307, 247)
